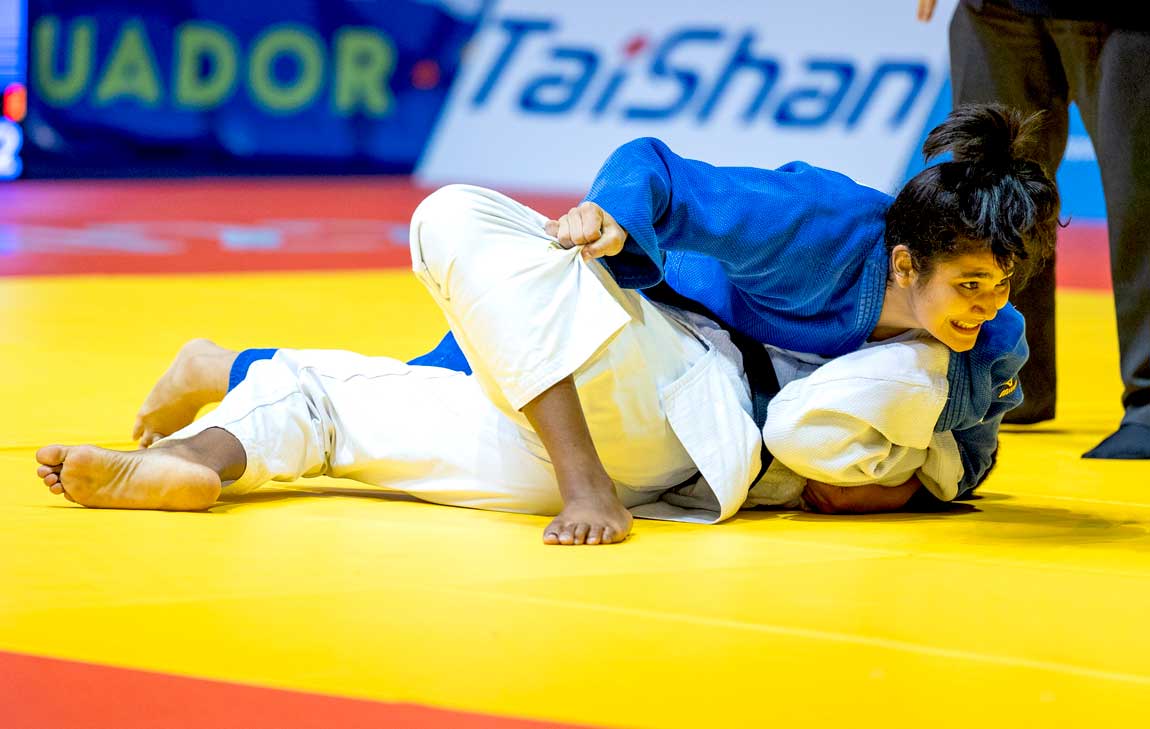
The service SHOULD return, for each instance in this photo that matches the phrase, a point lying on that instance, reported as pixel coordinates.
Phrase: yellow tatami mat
(1026, 607)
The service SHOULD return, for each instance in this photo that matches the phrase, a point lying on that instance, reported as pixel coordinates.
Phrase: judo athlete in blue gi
(565, 391)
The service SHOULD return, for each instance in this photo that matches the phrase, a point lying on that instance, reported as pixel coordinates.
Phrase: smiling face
(954, 300)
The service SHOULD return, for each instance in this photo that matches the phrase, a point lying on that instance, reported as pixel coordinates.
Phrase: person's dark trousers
(1122, 140)
(1033, 63)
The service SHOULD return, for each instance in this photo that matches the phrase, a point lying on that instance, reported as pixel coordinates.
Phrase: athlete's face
(962, 293)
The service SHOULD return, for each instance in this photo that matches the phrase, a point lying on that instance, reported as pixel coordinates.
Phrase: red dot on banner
(15, 102)
(425, 74)
(634, 46)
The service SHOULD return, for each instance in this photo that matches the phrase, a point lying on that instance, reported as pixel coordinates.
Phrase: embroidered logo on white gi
(1008, 387)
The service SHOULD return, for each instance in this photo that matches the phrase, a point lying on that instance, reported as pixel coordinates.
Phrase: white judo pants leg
(527, 314)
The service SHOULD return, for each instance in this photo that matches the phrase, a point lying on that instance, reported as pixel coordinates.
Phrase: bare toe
(52, 455)
(581, 533)
(551, 533)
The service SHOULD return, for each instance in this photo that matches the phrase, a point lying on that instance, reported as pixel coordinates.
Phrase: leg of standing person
(1122, 141)
(997, 55)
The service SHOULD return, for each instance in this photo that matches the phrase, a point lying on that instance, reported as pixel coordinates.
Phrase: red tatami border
(47, 693)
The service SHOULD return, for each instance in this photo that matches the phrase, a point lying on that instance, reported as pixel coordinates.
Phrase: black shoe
(1130, 442)
(1024, 414)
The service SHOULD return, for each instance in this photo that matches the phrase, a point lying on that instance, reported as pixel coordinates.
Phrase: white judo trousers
(663, 391)
(527, 314)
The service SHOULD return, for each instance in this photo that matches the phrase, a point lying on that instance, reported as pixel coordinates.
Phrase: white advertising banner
(548, 90)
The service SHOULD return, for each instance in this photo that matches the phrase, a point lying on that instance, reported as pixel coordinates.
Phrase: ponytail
(992, 195)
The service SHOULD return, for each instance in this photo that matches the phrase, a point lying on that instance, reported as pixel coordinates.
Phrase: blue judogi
(793, 257)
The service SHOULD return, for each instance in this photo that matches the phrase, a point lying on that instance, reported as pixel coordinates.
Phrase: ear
(902, 266)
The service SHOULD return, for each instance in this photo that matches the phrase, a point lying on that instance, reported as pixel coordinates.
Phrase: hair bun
(990, 135)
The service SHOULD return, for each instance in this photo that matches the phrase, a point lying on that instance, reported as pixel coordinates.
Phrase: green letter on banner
(130, 71)
(195, 42)
(284, 39)
(62, 90)
(365, 59)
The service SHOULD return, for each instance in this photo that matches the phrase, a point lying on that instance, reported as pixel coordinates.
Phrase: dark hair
(992, 196)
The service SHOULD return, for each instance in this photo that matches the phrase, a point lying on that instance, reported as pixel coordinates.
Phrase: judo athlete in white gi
(585, 400)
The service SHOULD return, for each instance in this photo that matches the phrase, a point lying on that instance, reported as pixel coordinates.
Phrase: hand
(926, 10)
(590, 226)
(596, 520)
(868, 499)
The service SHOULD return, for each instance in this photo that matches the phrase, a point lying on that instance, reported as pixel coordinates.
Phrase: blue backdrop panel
(179, 86)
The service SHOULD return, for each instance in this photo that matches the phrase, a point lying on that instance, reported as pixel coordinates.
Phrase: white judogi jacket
(862, 418)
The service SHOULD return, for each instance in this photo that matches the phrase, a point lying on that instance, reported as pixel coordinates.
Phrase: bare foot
(198, 377)
(590, 520)
(153, 479)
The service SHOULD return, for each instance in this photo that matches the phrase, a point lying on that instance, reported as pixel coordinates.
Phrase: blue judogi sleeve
(792, 257)
(978, 449)
(983, 387)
